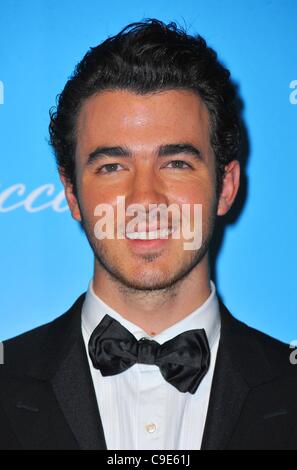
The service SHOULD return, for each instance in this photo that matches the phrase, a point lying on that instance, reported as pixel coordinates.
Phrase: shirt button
(151, 427)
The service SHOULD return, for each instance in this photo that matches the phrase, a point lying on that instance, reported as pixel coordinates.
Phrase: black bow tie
(183, 361)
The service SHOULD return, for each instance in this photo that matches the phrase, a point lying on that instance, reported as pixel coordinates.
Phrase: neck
(154, 311)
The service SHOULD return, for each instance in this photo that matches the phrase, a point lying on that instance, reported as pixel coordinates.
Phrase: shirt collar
(207, 316)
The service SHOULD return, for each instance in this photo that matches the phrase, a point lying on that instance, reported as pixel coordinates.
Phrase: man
(148, 357)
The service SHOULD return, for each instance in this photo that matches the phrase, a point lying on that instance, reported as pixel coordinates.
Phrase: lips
(149, 235)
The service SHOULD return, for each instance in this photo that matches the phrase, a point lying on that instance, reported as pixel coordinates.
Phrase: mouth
(162, 234)
(145, 242)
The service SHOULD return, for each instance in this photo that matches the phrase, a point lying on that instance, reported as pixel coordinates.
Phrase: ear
(230, 187)
(70, 196)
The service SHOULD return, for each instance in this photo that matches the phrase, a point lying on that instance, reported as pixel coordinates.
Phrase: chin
(149, 285)
(147, 279)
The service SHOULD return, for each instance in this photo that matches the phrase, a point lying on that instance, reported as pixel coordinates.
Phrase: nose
(147, 188)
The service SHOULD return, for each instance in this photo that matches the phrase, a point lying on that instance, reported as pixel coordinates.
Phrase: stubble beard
(140, 285)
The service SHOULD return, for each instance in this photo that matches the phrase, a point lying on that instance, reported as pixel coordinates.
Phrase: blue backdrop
(46, 261)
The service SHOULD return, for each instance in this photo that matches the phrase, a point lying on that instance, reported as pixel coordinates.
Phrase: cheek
(194, 192)
(93, 193)
(89, 200)
(197, 192)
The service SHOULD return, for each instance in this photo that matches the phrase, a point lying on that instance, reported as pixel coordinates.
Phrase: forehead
(120, 115)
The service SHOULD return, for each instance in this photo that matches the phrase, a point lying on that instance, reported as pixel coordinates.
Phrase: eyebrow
(166, 150)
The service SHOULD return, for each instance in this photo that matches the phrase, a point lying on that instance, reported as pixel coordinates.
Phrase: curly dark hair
(146, 57)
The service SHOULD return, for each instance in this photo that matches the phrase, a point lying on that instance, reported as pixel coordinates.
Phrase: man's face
(133, 129)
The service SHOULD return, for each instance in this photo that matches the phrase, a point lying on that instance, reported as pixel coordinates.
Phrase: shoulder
(253, 347)
(44, 341)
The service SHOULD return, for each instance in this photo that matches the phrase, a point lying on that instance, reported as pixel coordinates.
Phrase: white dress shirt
(138, 408)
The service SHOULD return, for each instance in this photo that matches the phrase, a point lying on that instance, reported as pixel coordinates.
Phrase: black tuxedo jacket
(47, 399)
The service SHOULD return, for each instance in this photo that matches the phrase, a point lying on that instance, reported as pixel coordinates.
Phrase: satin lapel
(48, 393)
(228, 394)
(241, 365)
(65, 368)
(74, 390)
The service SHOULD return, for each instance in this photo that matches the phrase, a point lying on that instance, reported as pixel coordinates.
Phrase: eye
(179, 164)
(109, 168)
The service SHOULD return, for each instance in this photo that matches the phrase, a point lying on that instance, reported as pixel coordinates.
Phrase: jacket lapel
(228, 394)
(72, 382)
(55, 398)
(74, 391)
(240, 366)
